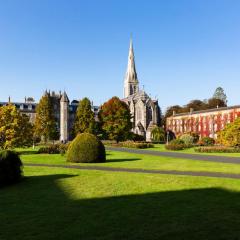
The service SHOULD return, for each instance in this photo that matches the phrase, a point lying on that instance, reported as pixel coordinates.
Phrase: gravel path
(138, 170)
(201, 157)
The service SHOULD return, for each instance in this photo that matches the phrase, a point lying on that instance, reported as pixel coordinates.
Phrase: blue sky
(184, 49)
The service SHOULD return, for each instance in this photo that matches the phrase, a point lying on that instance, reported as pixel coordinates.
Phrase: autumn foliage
(115, 119)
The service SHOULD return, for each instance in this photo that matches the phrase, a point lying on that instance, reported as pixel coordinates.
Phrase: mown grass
(66, 204)
(130, 160)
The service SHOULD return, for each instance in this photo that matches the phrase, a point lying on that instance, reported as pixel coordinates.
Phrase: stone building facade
(64, 112)
(206, 123)
(145, 111)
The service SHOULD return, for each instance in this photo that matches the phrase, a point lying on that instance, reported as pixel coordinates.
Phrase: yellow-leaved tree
(15, 128)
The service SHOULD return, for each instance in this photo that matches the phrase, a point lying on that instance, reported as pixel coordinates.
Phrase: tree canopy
(115, 119)
(15, 129)
(45, 123)
(84, 121)
(220, 94)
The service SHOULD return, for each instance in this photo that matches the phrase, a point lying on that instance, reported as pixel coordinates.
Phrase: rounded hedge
(10, 167)
(86, 148)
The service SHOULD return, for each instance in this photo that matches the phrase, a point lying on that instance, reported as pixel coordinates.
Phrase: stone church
(144, 110)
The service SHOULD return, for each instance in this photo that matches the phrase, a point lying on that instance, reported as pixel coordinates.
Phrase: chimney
(191, 110)
(174, 113)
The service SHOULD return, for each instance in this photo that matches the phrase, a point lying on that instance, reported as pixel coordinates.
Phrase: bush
(206, 141)
(86, 148)
(131, 144)
(136, 137)
(175, 145)
(195, 137)
(54, 149)
(10, 168)
(217, 149)
(187, 139)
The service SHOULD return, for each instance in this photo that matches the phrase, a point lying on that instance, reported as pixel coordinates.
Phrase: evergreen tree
(45, 124)
(15, 129)
(84, 121)
(115, 118)
(220, 94)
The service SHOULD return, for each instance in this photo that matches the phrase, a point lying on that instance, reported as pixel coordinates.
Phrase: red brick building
(205, 122)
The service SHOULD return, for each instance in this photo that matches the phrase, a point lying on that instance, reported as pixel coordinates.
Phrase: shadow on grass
(39, 209)
(123, 160)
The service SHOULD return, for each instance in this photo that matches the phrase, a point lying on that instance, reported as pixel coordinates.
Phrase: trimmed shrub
(206, 141)
(86, 148)
(187, 139)
(10, 168)
(175, 145)
(217, 149)
(131, 144)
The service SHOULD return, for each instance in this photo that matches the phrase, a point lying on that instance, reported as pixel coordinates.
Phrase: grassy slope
(93, 205)
(161, 147)
(129, 160)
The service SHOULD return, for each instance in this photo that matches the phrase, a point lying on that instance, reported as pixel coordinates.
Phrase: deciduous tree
(15, 129)
(230, 135)
(116, 119)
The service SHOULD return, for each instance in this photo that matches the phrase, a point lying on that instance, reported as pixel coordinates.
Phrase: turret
(64, 118)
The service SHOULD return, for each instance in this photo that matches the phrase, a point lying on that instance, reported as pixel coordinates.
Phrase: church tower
(64, 118)
(131, 81)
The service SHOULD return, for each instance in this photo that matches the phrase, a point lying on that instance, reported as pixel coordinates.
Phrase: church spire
(131, 80)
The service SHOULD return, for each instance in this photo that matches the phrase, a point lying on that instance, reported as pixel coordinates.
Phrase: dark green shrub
(217, 149)
(86, 148)
(10, 167)
(175, 145)
(136, 137)
(195, 137)
(206, 141)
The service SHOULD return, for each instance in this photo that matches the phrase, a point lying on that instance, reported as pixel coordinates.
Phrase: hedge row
(131, 144)
(217, 149)
(177, 144)
(54, 149)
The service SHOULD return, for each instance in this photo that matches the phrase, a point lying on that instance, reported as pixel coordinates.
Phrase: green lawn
(130, 160)
(73, 204)
(66, 204)
(161, 147)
